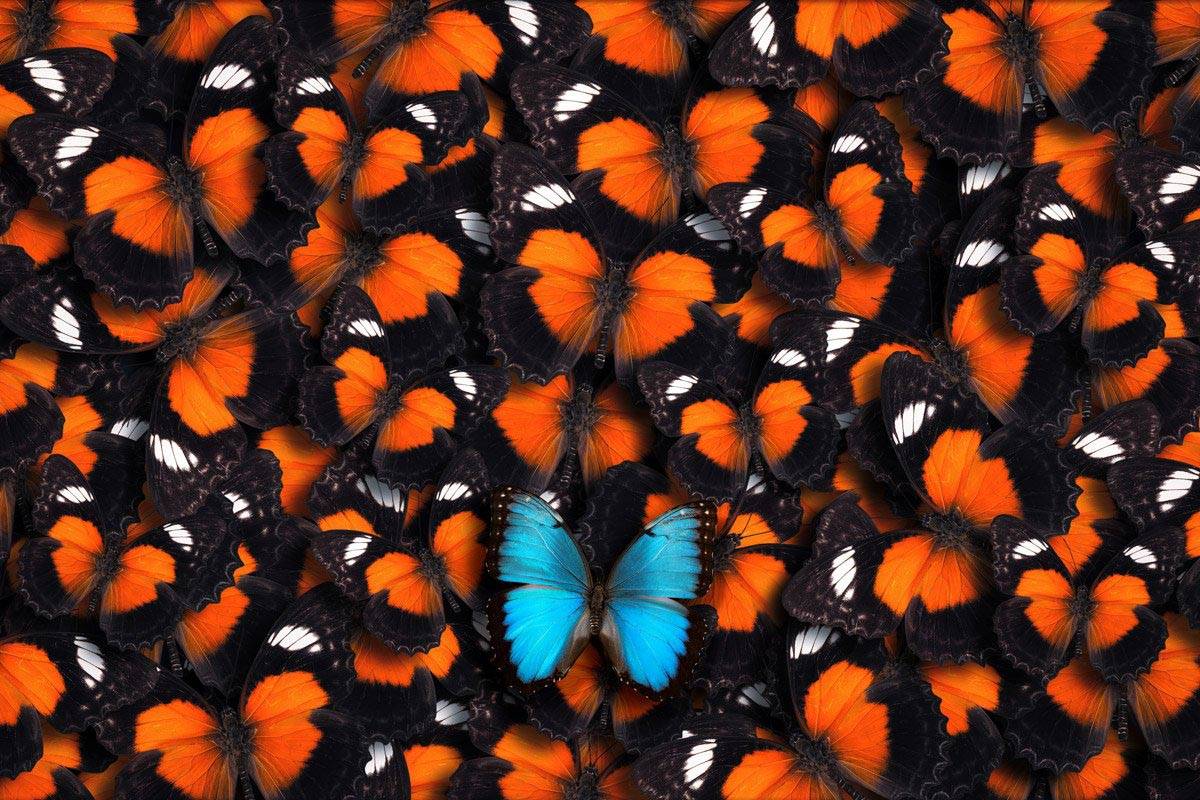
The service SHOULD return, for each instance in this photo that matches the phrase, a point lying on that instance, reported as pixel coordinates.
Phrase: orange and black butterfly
(721, 441)
(30, 26)
(323, 151)
(521, 756)
(883, 506)
(137, 577)
(1176, 29)
(219, 369)
(140, 203)
(1071, 719)
(565, 296)
(419, 763)
(415, 411)
(421, 46)
(859, 726)
(935, 580)
(1168, 377)
(650, 45)
(1104, 611)
(407, 584)
(641, 168)
(1087, 161)
(180, 48)
(1075, 266)
(1117, 771)
(1018, 377)
(68, 680)
(864, 212)
(1090, 60)
(565, 427)
(283, 735)
(872, 48)
(30, 420)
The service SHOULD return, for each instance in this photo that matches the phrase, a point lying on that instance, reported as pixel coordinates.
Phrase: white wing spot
(75, 494)
(1028, 548)
(910, 419)
(1099, 446)
(475, 227)
(355, 548)
(1179, 182)
(1142, 556)
(547, 195)
(762, 31)
(172, 455)
(1058, 212)
(849, 143)
(698, 762)
(464, 383)
(812, 639)
(982, 176)
(90, 660)
(180, 536)
(366, 327)
(789, 357)
(47, 76)
(680, 385)
(524, 19)
(981, 253)
(1162, 253)
(65, 324)
(294, 638)
(227, 76)
(577, 98)
(423, 114)
(453, 491)
(380, 492)
(751, 200)
(1175, 486)
(379, 755)
(241, 506)
(314, 84)
(130, 428)
(73, 145)
(707, 227)
(841, 577)
(838, 335)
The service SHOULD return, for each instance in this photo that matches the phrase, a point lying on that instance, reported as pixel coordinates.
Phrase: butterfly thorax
(354, 151)
(827, 220)
(579, 414)
(35, 24)
(676, 13)
(109, 560)
(596, 602)
(406, 20)
(1129, 135)
(433, 567)
(748, 425)
(677, 154)
(1020, 42)
(951, 361)
(183, 184)
(1081, 605)
(360, 257)
(181, 339)
(723, 551)
(950, 530)
(814, 756)
(1090, 278)
(233, 738)
(584, 786)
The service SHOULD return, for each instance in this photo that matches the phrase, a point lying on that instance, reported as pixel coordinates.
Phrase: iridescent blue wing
(647, 630)
(543, 621)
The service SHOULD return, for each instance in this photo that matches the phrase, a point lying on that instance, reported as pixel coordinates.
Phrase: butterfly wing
(1165, 716)
(646, 629)
(543, 622)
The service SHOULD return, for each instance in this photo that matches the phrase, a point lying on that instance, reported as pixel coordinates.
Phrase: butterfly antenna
(366, 63)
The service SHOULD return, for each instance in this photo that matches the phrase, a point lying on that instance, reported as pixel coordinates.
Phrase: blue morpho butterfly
(559, 606)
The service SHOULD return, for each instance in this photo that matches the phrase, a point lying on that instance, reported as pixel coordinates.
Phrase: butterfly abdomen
(597, 599)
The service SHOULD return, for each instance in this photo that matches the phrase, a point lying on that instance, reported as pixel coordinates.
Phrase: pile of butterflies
(599, 399)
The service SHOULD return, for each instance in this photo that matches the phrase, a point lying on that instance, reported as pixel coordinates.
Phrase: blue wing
(544, 619)
(645, 628)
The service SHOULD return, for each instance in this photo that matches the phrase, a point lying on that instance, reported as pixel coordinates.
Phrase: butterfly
(519, 755)
(1123, 299)
(1105, 612)
(137, 577)
(407, 586)
(417, 413)
(1091, 61)
(565, 428)
(1016, 376)
(282, 735)
(180, 48)
(420, 47)
(1160, 187)
(872, 48)
(721, 441)
(647, 44)
(32, 26)
(856, 726)
(69, 680)
(1166, 377)
(1087, 161)
(564, 296)
(934, 580)
(218, 369)
(323, 151)
(301, 461)
(864, 212)
(643, 167)
(557, 605)
(1118, 770)
(139, 202)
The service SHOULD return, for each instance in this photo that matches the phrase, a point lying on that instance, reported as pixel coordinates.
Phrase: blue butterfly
(558, 607)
